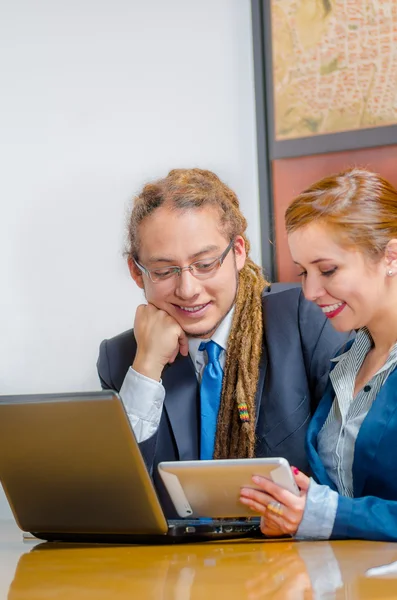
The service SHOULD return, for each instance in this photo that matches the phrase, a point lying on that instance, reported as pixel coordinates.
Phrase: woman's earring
(390, 272)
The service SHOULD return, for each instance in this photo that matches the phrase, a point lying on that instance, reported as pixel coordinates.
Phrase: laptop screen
(70, 463)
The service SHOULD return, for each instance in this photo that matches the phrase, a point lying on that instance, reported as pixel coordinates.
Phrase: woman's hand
(281, 511)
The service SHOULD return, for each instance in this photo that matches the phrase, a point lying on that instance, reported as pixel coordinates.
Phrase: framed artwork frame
(271, 150)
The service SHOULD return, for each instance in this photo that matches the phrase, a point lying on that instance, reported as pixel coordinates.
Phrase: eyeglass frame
(178, 270)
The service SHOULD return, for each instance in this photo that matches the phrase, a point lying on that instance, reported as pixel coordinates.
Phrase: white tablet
(211, 488)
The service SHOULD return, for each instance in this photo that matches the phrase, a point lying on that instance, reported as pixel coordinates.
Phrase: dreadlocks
(187, 189)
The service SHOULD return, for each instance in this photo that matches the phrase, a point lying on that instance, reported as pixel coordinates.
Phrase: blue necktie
(210, 395)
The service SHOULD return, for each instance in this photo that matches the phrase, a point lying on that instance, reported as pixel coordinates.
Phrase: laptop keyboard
(220, 526)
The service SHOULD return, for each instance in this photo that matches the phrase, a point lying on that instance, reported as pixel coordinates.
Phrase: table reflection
(252, 570)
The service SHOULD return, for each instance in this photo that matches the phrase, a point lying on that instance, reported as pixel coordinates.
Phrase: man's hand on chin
(159, 340)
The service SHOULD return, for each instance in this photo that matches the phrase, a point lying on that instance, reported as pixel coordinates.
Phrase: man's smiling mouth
(192, 309)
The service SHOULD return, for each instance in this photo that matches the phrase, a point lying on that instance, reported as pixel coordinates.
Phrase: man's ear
(136, 274)
(391, 256)
(240, 253)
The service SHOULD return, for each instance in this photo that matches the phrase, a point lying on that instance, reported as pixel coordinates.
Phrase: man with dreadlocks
(216, 366)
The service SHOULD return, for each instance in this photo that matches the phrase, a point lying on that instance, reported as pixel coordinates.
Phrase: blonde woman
(342, 234)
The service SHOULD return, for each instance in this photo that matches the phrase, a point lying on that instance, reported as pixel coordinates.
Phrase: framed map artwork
(325, 82)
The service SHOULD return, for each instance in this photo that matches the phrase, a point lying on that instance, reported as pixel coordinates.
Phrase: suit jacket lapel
(182, 406)
(372, 430)
(261, 381)
(182, 402)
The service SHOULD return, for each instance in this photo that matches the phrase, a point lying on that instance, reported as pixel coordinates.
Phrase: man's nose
(187, 286)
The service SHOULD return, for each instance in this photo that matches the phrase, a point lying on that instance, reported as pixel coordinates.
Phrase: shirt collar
(361, 346)
(220, 336)
(363, 338)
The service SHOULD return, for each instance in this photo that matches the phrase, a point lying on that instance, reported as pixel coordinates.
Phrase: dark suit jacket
(372, 513)
(297, 346)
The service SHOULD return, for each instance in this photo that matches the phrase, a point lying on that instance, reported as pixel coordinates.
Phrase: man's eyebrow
(173, 261)
(210, 248)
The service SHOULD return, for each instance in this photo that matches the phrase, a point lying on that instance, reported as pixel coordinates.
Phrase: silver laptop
(72, 471)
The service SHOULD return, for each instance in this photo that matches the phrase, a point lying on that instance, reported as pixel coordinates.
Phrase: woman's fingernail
(295, 470)
(256, 479)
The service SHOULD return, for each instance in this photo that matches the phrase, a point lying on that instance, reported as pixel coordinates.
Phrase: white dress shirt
(143, 398)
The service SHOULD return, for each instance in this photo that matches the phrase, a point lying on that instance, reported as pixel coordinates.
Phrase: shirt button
(367, 388)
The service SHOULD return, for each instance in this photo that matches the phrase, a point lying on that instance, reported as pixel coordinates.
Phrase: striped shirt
(337, 438)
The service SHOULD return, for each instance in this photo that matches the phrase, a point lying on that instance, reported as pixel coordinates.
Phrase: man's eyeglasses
(200, 268)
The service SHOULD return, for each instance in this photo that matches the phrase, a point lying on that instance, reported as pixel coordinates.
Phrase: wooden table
(282, 570)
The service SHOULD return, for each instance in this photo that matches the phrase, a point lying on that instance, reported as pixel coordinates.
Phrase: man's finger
(183, 344)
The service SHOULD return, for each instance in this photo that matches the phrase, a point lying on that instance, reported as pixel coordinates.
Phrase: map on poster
(334, 65)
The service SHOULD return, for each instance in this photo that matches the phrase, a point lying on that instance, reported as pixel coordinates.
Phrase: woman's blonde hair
(359, 206)
(192, 189)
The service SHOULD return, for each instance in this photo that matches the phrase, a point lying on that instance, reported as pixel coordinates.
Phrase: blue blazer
(372, 513)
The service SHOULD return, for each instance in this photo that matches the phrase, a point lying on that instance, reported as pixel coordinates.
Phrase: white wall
(99, 96)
